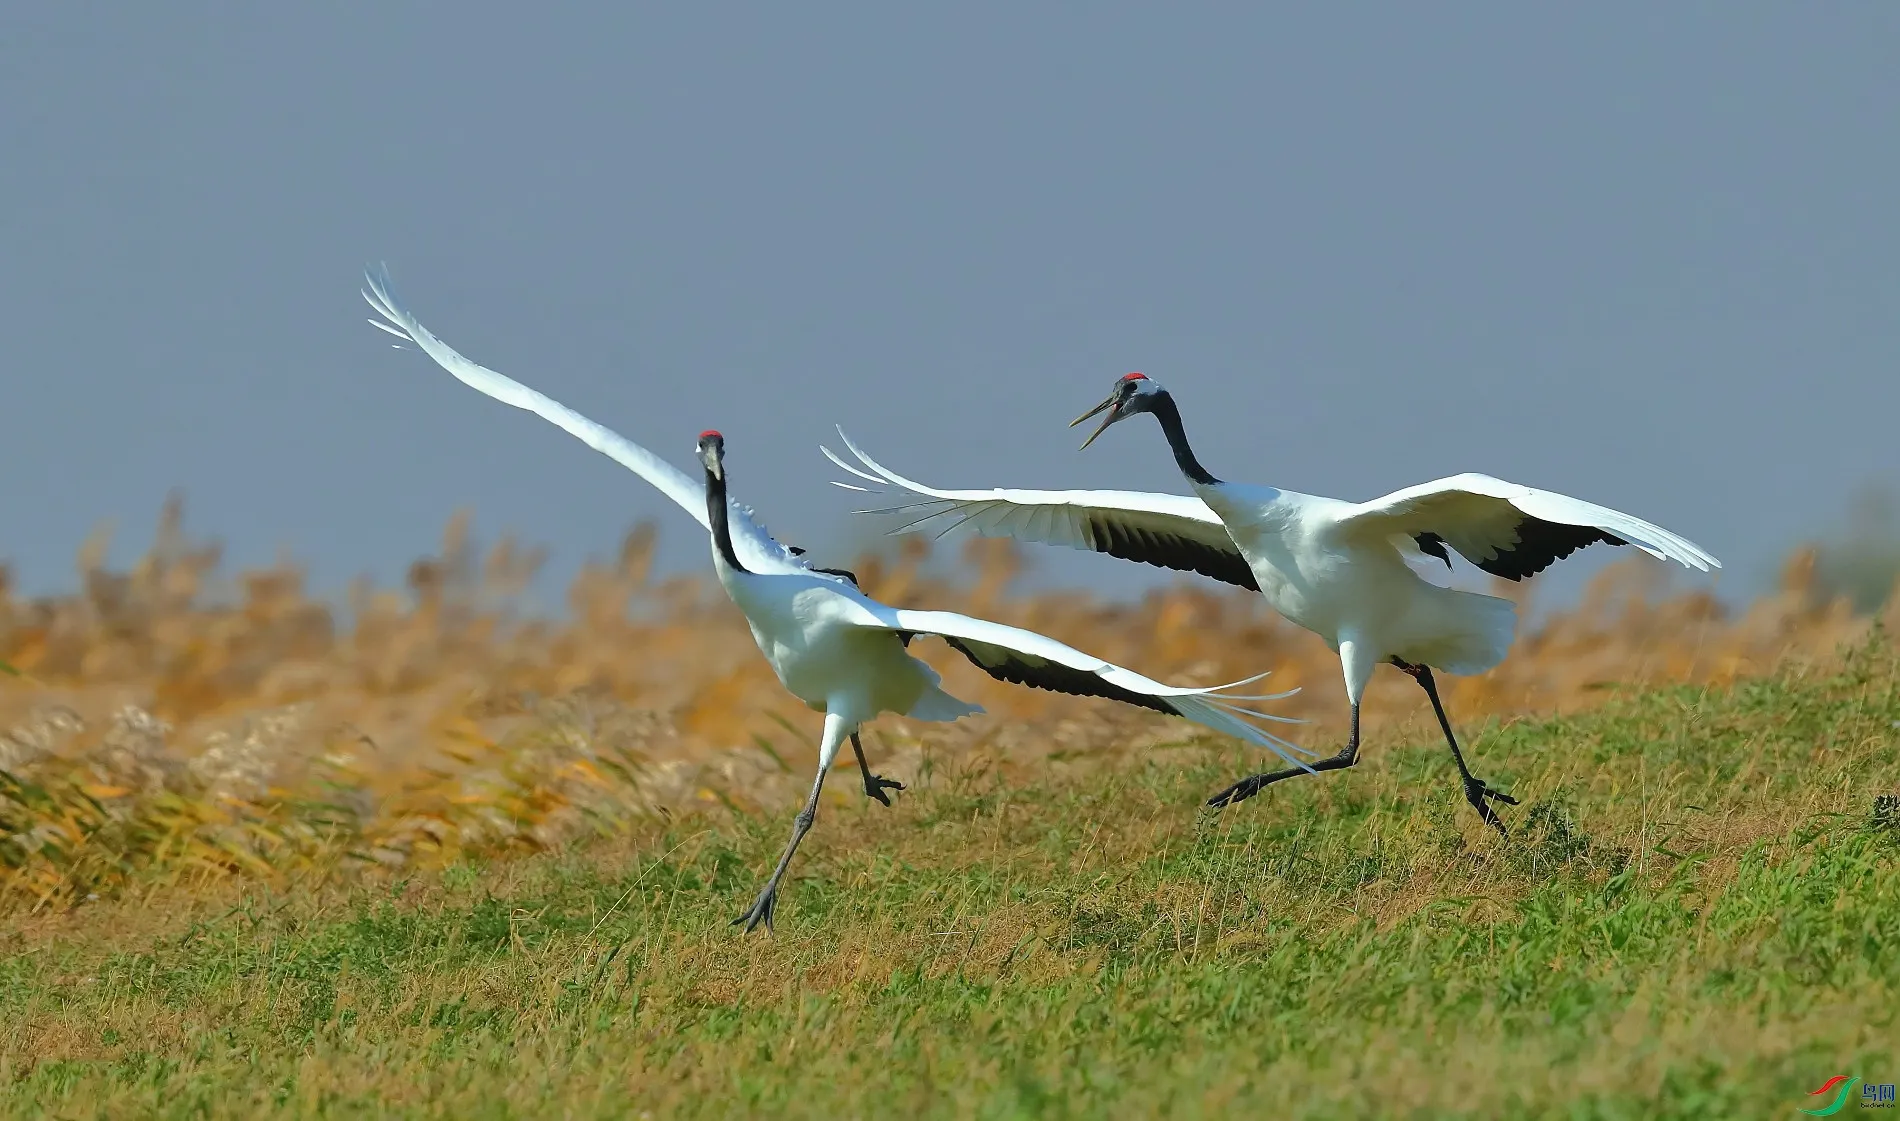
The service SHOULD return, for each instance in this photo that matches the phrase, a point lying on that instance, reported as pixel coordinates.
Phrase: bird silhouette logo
(1845, 1083)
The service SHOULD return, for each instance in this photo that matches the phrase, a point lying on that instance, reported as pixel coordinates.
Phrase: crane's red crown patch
(1134, 377)
(711, 434)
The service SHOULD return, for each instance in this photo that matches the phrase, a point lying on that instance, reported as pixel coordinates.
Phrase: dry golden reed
(167, 725)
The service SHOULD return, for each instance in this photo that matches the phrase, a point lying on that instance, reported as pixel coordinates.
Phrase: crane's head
(1134, 393)
(712, 452)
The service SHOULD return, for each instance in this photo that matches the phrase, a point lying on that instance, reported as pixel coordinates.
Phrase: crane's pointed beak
(1112, 417)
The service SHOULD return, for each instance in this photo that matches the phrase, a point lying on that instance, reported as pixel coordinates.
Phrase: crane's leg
(762, 907)
(1254, 784)
(1476, 791)
(874, 785)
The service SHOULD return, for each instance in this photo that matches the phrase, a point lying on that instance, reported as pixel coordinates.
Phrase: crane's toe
(876, 785)
(1477, 792)
(1240, 791)
(760, 911)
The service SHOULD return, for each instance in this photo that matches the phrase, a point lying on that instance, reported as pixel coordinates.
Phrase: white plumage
(833, 647)
(1344, 570)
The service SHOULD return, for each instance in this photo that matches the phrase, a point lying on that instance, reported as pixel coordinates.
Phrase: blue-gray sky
(1645, 254)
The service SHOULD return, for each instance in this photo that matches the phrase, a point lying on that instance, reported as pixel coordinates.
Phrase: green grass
(1697, 915)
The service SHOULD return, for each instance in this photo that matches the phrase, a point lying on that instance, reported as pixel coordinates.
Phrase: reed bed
(172, 725)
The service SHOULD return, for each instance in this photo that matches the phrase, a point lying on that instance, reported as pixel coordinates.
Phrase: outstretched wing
(755, 547)
(1023, 657)
(1510, 530)
(1167, 530)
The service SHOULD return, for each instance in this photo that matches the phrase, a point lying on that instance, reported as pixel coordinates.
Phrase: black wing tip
(1056, 678)
(1105, 535)
(1541, 544)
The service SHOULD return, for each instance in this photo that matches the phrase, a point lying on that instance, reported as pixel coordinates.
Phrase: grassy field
(449, 865)
(1698, 916)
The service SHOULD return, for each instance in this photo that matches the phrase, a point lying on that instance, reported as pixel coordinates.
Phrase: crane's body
(1347, 571)
(1362, 597)
(812, 634)
(834, 648)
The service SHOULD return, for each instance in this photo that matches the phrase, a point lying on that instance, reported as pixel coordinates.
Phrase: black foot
(1254, 784)
(1241, 791)
(876, 785)
(1476, 792)
(760, 911)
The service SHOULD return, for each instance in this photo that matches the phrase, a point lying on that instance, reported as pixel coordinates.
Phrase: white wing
(1026, 658)
(1510, 530)
(1167, 530)
(755, 547)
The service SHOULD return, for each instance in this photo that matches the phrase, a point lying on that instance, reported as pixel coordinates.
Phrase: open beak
(1113, 416)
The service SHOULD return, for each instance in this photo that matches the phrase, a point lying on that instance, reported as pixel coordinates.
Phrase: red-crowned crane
(1342, 570)
(833, 647)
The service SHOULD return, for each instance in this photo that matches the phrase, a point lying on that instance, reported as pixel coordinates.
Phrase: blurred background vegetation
(173, 722)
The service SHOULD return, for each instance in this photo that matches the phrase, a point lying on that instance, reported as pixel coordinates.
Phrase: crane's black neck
(718, 516)
(1170, 417)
